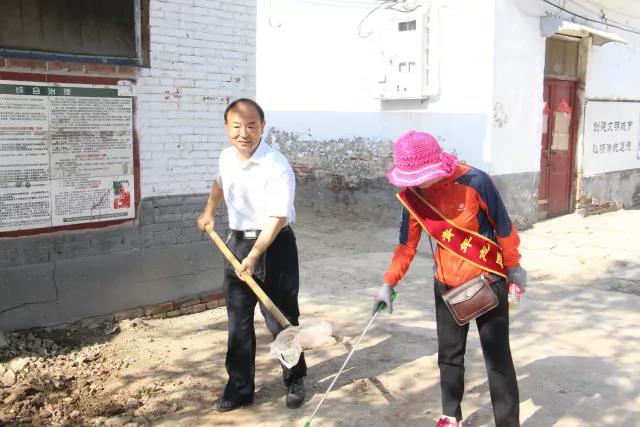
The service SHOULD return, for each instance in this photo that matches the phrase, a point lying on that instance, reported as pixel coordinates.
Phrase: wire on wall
(603, 21)
(395, 5)
(601, 12)
(602, 8)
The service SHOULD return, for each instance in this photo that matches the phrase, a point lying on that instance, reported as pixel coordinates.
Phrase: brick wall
(65, 276)
(202, 55)
(163, 221)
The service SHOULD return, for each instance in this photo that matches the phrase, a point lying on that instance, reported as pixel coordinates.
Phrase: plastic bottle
(514, 294)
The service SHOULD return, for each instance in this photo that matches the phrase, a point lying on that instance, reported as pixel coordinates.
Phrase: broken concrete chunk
(18, 363)
(8, 378)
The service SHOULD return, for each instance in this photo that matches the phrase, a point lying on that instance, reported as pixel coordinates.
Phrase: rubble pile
(58, 378)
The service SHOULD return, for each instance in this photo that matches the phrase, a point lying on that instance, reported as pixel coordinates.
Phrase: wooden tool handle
(247, 278)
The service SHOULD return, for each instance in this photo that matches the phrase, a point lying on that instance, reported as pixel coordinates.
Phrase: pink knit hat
(418, 158)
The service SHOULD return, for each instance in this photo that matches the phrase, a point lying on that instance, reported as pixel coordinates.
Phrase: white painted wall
(310, 57)
(317, 78)
(612, 73)
(202, 55)
(613, 70)
(516, 125)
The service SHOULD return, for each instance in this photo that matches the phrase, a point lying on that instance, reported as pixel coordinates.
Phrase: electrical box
(410, 55)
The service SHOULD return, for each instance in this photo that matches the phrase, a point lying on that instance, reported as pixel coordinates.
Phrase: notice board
(611, 137)
(66, 154)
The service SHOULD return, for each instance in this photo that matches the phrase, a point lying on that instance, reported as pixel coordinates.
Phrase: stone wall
(347, 178)
(609, 191)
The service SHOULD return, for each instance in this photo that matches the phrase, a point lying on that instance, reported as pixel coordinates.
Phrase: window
(88, 30)
(561, 57)
(407, 25)
(406, 67)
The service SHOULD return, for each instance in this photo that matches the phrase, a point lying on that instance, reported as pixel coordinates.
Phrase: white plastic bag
(311, 334)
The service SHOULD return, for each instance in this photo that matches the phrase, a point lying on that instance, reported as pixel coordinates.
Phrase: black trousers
(277, 274)
(493, 328)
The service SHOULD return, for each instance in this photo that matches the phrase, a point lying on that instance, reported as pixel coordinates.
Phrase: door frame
(573, 143)
(577, 124)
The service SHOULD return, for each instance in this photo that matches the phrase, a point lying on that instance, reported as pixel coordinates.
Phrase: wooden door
(558, 147)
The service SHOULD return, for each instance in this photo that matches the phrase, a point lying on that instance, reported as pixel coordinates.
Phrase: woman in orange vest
(468, 203)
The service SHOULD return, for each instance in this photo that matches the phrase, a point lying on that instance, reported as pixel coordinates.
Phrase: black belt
(253, 234)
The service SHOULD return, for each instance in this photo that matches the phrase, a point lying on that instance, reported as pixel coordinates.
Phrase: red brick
(186, 302)
(187, 310)
(64, 66)
(127, 71)
(212, 296)
(211, 305)
(193, 309)
(132, 313)
(152, 310)
(99, 69)
(34, 64)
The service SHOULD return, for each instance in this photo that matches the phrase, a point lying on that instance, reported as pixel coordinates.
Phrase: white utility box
(410, 55)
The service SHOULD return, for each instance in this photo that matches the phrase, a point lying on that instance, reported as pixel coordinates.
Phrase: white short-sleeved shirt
(264, 186)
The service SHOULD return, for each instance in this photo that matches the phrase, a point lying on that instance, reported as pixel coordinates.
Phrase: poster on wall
(66, 155)
(611, 137)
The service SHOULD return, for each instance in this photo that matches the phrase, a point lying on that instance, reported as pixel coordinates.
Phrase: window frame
(141, 46)
(407, 25)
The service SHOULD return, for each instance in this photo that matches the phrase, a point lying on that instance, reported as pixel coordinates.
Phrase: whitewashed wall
(612, 73)
(613, 70)
(516, 126)
(317, 78)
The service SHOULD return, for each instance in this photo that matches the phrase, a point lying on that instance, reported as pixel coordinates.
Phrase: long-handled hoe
(290, 342)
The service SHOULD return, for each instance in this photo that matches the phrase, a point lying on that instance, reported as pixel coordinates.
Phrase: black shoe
(225, 405)
(295, 395)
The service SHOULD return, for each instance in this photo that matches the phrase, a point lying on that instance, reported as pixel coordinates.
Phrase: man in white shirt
(258, 187)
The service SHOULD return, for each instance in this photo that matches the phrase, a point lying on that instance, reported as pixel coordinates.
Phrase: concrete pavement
(575, 338)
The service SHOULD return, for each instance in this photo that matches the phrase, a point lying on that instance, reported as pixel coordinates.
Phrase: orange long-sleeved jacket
(470, 200)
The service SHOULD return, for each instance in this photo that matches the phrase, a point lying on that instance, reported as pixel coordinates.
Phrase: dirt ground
(575, 340)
